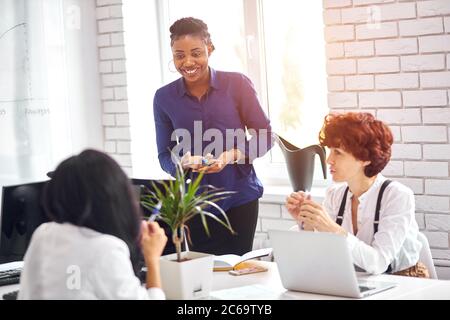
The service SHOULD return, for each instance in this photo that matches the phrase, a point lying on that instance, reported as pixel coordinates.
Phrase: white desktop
(268, 286)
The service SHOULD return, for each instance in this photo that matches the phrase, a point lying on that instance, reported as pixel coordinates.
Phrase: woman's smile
(190, 72)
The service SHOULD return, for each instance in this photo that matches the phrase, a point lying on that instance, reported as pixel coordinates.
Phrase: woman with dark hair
(207, 107)
(91, 249)
(376, 216)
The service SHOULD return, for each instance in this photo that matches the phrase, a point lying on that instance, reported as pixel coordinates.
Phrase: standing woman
(217, 102)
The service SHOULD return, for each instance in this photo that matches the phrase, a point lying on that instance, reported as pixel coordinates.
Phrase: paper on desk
(11, 265)
(252, 292)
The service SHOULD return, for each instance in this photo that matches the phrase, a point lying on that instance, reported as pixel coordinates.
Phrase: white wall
(114, 95)
(130, 75)
(397, 67)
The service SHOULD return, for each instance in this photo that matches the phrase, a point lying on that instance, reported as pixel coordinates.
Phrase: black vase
(300, 163)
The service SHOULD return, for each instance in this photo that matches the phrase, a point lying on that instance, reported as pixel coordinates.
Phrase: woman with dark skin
(220, 102)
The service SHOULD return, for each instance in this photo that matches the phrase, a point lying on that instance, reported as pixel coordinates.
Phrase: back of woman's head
(91, 190)
(360, 134)
(190, 26)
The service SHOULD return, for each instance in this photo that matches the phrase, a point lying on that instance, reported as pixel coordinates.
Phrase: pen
(155, 212)
(308, 197)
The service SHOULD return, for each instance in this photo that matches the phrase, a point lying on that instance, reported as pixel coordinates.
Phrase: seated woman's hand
(153, 241)
(314, 217)
(294, 202)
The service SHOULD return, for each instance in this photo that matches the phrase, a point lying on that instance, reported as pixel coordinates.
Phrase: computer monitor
(146, 185)
(139, 185)
(21, 213)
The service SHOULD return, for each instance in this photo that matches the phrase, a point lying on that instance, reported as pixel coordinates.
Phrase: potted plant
(185, 275)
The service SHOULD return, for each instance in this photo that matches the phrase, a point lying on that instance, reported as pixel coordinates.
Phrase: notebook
(231, 261)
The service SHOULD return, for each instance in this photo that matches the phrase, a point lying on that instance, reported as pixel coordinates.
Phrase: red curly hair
(360, 134)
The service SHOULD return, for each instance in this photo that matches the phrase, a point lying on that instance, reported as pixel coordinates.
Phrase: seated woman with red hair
(381, 231)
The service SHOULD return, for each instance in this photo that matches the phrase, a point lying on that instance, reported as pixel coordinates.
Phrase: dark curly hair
(190, 26)
(360, 134)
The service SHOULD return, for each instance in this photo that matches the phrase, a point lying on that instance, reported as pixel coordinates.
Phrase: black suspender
(340, 216)
(376, 219)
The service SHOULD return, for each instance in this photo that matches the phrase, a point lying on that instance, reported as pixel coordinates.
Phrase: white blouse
(64, 261)
(396, 241)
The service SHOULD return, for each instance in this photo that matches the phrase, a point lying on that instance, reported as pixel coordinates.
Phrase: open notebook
(231, 261)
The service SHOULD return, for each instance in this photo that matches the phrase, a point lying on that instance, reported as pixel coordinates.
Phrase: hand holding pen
(294, 202)
(155, 212)
(153, 240)
(195, 163)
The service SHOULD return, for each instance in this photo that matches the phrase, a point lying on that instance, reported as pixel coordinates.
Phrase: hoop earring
(169, 64)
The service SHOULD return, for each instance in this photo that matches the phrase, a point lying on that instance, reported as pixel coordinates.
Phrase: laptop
(319, 262)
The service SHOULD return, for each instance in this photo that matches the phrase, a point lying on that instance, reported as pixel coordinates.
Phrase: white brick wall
(427, 62)
(378, 65)
(358, 49)
(113, 73)
(402, 75)
(406, 151)
(424, 98)
(421, 27)
(381, 99)
(436, 151)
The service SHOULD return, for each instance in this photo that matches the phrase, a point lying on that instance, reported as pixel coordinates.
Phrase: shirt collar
(213, 83)
(375, 186)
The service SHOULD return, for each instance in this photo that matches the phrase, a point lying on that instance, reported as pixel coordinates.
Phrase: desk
(267, 286)
(6, 289)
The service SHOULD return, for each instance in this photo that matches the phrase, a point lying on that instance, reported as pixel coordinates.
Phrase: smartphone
(204, 163)
(254, 269)
(208, 162)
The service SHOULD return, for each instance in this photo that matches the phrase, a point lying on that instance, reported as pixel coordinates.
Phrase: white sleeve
(396, 213)
(113, 277)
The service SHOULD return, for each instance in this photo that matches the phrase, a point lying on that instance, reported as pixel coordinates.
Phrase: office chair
(425, 255)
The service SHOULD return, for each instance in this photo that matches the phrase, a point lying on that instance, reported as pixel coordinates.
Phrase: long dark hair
(91, 190)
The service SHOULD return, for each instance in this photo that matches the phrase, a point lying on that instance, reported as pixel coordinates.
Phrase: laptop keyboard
(365, 288)
(8, 277)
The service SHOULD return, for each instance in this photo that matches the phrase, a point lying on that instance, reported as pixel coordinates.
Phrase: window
(295, 76)
(49, 103)
(279, 45)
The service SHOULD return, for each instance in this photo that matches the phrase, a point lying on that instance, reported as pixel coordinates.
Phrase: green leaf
(181, 202)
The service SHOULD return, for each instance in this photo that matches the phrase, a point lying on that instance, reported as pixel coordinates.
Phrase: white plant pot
(191, 279)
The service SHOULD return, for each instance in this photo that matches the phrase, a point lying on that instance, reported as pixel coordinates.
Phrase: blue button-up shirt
(230, 103)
